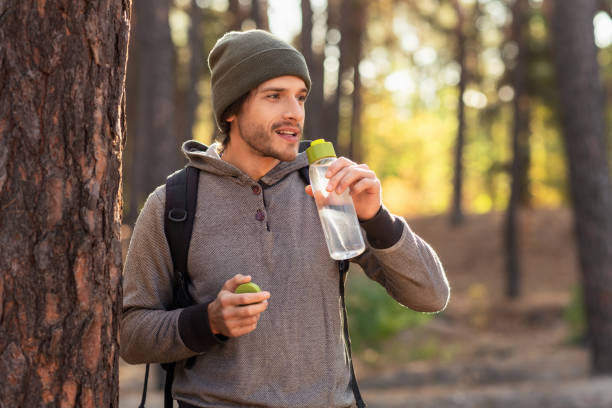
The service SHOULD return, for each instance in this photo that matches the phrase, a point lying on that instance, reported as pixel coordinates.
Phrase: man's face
(271, 119)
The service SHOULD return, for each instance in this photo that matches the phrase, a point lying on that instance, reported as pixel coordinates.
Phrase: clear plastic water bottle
(336, 211)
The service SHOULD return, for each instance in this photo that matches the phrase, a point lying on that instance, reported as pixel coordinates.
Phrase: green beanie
(240, 61)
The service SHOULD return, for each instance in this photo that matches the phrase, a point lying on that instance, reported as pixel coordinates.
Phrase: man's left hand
(364, 186)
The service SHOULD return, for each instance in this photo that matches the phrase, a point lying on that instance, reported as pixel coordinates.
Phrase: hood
(207, 159)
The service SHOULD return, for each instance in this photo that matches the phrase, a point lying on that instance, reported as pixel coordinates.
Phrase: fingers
(235, 314)
(229, 299)
(231, 284)
(309, 191)
(350, 174)
(242, 320)
(246, 311)
(337, 165)
(365, 184)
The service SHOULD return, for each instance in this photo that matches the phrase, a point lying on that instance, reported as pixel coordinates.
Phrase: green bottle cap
(319, 149)
(249, 287)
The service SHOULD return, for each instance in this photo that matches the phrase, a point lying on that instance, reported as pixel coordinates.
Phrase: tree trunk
(457, 209)
(155, 145)
(259, 14)
(359, 26)
(315, 101)
(235, 12)
(196, 64)
(520, 136)
(337, 19)
(584, 132)
(62, 130)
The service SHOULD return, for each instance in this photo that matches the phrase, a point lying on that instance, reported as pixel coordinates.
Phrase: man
(256, 220)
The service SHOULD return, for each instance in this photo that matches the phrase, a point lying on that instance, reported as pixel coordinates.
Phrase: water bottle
(336, 211)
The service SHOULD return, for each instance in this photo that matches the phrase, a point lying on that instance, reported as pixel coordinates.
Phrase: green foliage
(575, 316)
(374, 316)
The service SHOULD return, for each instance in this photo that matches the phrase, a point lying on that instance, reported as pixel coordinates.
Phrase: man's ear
(230, 118)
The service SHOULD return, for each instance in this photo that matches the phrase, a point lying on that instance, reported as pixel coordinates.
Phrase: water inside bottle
(337, 214)
(342, 233)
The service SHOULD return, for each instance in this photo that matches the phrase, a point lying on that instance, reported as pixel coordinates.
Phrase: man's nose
(294, 110)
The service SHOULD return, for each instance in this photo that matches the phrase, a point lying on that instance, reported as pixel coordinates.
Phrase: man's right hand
(234, 315)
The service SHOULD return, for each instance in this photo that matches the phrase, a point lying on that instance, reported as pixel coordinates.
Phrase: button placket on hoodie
(260, 214)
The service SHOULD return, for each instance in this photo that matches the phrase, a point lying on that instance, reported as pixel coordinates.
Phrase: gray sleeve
(409, 270)
(149, 333)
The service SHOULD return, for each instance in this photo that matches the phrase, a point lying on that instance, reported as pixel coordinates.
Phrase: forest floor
(483, 351)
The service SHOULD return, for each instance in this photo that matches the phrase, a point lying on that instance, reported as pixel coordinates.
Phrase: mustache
(277, 125)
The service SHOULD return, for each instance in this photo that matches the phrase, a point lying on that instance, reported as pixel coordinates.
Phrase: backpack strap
(181, 202)
(343, 267)
(180, 208)
(304, 144)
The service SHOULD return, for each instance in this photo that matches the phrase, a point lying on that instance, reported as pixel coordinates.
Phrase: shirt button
(260, 216)
(256, 189)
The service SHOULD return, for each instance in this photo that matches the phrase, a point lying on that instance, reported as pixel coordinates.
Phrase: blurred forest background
(486, 121)
(387, 80)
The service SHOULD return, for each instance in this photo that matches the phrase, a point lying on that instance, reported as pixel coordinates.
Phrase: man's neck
(241, 155)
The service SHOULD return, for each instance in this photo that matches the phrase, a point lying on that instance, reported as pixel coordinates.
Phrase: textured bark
(62, 129)
(457, 209)
(584, 132)
(154, 144)
(520, 147)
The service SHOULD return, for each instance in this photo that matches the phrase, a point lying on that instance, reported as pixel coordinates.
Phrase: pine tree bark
(62, 130)
(584, 131)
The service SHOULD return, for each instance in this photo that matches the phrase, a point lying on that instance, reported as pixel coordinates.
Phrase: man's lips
(288, 132)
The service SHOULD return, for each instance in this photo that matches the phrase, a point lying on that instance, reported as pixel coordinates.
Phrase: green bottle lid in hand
(249, 287)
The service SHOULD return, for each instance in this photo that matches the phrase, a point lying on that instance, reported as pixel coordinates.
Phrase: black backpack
(180, 208)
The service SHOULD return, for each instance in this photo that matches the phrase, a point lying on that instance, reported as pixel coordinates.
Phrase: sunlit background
(409, 76)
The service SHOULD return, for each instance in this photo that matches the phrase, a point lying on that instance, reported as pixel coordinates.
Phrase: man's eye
(302, 98)
(273, 96)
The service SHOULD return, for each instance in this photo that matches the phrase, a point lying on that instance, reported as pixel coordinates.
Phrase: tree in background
(457, 207)
(349, 17)
(197, 64)
(358, 29)
(237, 15)
(519, 34)
(331, 119)
(62, 130)
(584, 131)
(153, 145)
(314, 59)
(259, 14)
(248, 15)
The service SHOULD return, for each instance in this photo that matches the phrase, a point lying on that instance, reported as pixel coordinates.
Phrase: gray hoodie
(296, 357)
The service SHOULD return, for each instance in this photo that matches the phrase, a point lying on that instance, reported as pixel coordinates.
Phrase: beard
(262, 141)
